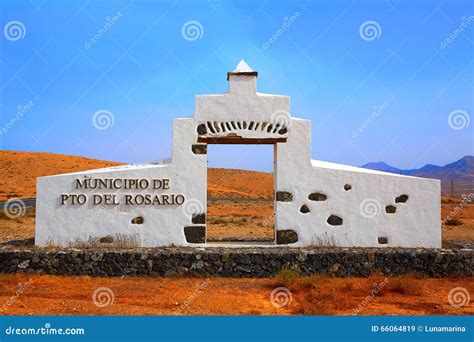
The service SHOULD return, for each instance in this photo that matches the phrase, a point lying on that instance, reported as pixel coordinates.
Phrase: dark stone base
(286, 236)
(195, 234)
(238, 262)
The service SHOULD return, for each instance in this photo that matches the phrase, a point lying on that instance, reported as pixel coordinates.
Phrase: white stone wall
(415, 223)
(75, 225)
(243, 113)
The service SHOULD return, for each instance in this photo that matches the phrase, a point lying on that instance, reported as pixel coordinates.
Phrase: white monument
(162, 204)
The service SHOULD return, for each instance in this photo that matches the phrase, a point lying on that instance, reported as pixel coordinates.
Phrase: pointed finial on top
(242, 69)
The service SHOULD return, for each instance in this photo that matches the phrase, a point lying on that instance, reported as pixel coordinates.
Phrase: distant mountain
(461, 172)
(381, 166)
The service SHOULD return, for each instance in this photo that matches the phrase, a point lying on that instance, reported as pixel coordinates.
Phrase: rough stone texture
(317, 196)
(334, 220)
(286, 236)
(284, 196)
(195, 234)
(138, 220)
(390, 209)
(106, 239)
(199, 148)
(347, 187)
(304, 209)
(201, 129)
(238, 262)
(401, 199)
(382, 240)
(199, 218)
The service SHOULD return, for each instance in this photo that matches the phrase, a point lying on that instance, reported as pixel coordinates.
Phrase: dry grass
(405, 286)
(287, 276)
(315, 295)
(453, 222)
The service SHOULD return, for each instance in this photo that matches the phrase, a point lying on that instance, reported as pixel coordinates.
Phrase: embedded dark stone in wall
(195, 234)
(199, 148)
(401, 199)
(283, 131)
(138, 220)
(286, 236)
(347, 187)
(106, 239)
(202, 129)
(382, 240)
(317, 196)
(284, 196)
(390, 209)
(304, 209)
(199, 218)
(334, 220)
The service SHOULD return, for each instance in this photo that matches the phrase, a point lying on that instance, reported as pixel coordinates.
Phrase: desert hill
(18, 172)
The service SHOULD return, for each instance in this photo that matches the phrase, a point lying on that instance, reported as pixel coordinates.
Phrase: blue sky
(144, 71)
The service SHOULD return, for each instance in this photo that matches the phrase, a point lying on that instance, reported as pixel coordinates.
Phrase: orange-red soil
(57, 295)
(310, 295)
(18, 170)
